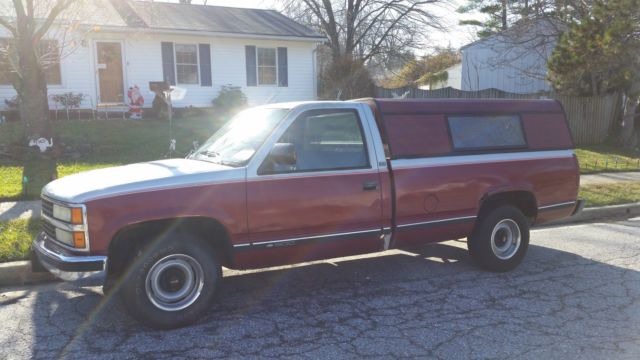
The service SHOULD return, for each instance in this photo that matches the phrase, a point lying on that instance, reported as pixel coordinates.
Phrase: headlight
(64, 236)
(75, 239)
(70, 215)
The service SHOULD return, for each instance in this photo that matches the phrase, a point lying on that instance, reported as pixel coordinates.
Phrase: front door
(110, 75)
(326, 202)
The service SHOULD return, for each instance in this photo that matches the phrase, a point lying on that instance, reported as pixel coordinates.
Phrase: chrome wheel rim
(505, 239)
(174, 282)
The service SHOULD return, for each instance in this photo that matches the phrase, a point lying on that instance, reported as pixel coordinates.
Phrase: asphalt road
(577, 295)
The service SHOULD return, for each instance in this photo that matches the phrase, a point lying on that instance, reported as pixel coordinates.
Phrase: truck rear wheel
(172, 283)
(500, 239)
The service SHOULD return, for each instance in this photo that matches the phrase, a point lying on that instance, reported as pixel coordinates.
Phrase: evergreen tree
(601, 55)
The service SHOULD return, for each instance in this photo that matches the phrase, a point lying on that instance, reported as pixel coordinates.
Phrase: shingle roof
(219, 19)
(177, 17)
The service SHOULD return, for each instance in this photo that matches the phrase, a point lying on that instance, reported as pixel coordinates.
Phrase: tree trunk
(629, 136)
(39, 167)
(503, 15)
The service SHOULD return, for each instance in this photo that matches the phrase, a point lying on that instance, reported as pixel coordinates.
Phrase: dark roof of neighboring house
(165, 16)
(219, 19)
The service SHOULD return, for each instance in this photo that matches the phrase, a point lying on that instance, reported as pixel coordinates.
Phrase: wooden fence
(590, 118)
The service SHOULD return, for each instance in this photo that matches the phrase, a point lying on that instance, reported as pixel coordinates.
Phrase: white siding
(454, 78)
(143, 63)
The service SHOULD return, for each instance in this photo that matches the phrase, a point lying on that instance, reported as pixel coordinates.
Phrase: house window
(486, 132)
(49, 54)
(187, 64)
(267, 66)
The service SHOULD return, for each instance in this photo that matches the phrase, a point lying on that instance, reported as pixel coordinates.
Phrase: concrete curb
(19, 272)
(601, 213)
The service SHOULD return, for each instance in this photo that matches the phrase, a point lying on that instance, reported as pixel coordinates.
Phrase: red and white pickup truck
(287, 183)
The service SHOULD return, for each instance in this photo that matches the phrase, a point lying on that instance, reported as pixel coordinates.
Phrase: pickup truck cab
(295, 182)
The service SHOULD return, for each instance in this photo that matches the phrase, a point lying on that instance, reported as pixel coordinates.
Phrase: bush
(13, 104)
(68, 100)
(229, 101)
(13, 113)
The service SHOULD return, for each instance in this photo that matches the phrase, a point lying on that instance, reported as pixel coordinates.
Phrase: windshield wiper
(210, 153)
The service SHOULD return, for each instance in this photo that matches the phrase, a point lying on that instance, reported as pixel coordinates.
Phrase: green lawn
(92, 144)
(15, 238)
(607, 158)
(611, 194)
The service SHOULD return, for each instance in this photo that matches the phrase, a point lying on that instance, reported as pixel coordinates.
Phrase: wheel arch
(524, 200)
(133, 238)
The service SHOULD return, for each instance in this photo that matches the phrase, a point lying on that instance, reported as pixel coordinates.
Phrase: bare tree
(362, 34)
(363, 29)
(27, 22)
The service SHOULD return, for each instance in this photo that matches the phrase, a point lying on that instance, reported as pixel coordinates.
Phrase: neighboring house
(103, 47)
(513, 61)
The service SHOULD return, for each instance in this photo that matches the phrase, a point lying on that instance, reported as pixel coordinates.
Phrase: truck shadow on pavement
(427, 302)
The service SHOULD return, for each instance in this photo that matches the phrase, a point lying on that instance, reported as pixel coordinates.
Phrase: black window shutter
(168, 68)
(250, 52)
(283, 67)
(205, 64)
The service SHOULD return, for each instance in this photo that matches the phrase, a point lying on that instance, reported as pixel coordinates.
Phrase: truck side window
(483, 132)
(323, 140)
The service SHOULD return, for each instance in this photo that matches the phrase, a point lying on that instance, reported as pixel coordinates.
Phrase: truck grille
(47, 207)
(49, 229)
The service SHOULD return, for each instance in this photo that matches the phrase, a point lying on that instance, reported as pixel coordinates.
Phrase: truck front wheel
(500, 239)
(172, 283)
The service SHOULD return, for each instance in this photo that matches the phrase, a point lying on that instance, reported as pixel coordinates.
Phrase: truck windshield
(236, 142)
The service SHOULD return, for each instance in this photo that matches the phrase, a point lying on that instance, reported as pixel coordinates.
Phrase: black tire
(170, 262)
(503, 255)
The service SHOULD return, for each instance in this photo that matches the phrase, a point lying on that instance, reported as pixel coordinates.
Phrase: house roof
(219, 19)
(168, 17)
(523, 29)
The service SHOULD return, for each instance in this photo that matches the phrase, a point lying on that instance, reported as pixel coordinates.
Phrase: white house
(514, 60)
(454, 78)
(103, 47)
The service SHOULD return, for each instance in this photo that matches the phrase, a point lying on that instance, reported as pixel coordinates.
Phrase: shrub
(68, 100)
(13, 104)
(229, 101)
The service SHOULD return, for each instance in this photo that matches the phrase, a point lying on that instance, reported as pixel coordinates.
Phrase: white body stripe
(480, 159)
(556, 205)
(432, 222)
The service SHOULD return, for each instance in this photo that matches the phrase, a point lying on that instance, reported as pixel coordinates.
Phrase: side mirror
(283, 154)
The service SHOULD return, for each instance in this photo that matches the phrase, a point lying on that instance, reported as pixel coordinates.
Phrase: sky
(455, 35)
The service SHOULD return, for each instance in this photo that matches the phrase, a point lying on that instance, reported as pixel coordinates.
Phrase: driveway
(577, 295)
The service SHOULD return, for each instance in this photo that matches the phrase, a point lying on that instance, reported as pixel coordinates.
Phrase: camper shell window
(485, 132)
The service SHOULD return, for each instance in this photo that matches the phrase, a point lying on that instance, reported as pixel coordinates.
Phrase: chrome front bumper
(53, 258)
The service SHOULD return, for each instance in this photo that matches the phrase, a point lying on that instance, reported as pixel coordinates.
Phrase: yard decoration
(136, 101)
(42, 144)
(165, 94)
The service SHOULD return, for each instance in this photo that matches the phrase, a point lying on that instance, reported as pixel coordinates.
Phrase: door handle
(370, 186)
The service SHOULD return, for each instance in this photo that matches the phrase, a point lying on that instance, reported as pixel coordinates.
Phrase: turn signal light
(78, 240)
(76, 216)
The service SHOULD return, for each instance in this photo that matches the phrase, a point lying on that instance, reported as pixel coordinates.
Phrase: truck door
(317, 194)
